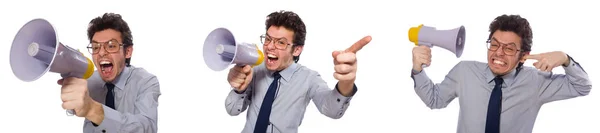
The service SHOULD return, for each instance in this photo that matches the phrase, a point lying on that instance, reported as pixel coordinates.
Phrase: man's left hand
(548, 61)
(345, 61)
(74, 94)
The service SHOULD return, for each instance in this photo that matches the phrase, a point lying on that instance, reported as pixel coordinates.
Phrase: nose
(102, 51)
(500, 51)
(270, 45)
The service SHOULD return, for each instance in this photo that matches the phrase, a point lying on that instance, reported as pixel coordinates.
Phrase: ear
(297, 50)
(523, 55)
(128, 52)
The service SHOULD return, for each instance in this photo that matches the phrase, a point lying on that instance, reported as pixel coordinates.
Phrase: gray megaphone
(221, 50)
(36, 50)
(452, 40)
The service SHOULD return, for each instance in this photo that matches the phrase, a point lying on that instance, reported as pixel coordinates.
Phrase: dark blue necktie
(110, 98)
(492, 124)
(265, 109)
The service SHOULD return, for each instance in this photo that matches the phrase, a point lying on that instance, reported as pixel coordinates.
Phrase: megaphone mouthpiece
(42, 53)
(226, 51)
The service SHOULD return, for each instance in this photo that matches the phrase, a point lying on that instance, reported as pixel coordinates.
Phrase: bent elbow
(584, 90)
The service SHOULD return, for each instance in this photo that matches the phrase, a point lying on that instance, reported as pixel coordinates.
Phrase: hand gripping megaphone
(221, 49)
(452, 40)
(36, 50)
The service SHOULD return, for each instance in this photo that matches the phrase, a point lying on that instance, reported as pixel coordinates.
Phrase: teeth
(499, 62)
(271, 56)
(104, 62)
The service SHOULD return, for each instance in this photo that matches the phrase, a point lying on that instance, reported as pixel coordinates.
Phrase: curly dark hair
(516, 24)
(291, 21)
(115, 22)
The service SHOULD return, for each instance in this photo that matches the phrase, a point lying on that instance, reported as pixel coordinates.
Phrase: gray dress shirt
(297, 86)
(136, 95)
(523, 93)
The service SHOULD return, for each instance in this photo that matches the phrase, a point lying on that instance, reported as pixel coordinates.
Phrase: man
(119, 97)
(277, 92)
(502, 95)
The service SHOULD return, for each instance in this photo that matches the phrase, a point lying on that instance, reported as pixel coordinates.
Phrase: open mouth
(106, 67)
(498, 62)
(271, 58)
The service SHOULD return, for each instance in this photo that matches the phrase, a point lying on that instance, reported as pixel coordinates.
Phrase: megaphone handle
(70, 112)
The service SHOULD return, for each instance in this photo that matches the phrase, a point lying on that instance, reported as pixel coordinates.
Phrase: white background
(169, 35)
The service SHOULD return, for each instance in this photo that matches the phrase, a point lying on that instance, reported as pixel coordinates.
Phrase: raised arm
(573, 83)
(330, 102)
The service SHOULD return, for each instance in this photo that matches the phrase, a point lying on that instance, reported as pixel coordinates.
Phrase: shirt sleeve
(438, 95)
(144, 121)
(237, 102)
(330, 102)
(575, 82)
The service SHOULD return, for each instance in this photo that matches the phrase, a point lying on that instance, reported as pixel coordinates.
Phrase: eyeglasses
(509, 49)
(280, 43)
(111, 46)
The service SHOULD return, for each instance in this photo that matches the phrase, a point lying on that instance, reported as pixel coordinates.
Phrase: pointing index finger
(533, 56)
(358, 45)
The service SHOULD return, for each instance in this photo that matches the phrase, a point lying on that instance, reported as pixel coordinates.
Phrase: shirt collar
(121, 79)
(508, 78)
(286, 73)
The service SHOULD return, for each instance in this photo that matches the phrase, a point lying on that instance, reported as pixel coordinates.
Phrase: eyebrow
(494, 38)
(94, 41)
(274, 37)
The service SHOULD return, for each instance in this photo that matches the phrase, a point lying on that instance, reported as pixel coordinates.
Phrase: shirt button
(338, 100)
(104, 131)
(238, 109)
(242, 97)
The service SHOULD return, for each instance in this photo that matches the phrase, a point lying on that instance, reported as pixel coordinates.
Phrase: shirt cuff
(342, 98)
(235, 92)
(573, 66)
(415, 72)
(111, 121)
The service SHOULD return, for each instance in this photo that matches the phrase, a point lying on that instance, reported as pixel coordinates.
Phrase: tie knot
(110, 86)
(276, 75)
(498, 80)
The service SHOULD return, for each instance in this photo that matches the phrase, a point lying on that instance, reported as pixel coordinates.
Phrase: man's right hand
(239, 77)
(421, 55)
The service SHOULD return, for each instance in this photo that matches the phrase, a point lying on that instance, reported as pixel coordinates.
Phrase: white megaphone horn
(452, 40)
(221, 49)
(36, 50)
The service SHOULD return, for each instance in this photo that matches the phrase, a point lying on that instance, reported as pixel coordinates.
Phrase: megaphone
(36, 50)
(221, 49)
(452, 40)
